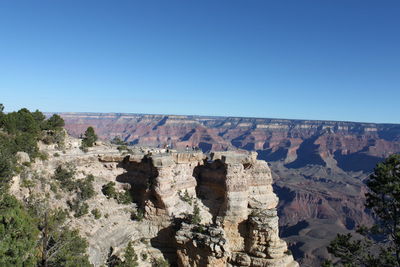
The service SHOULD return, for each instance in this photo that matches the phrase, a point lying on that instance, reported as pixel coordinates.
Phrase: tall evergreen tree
(58, 244)
(89, 138)
(18, 233)
(130, 257)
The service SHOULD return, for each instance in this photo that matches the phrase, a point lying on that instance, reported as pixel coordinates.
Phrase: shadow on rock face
(307, 154)
(141, 176)
(296, 251)
(293, 230)
(356, 161)
(211, 188)
(165, 242)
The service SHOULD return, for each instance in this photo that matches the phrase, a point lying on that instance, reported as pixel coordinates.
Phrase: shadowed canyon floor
(318, 166)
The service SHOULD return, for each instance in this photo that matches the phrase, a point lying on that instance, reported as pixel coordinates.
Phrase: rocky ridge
(238, 227)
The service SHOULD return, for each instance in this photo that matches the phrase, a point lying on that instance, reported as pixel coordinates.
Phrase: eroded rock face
(201, 246)
(247, 213)
(233, 191)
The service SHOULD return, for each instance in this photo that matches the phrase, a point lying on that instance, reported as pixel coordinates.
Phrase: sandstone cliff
(231, 191)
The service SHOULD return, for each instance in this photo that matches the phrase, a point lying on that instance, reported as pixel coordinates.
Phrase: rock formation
(239, 224)
(229, 193)
(318, 166)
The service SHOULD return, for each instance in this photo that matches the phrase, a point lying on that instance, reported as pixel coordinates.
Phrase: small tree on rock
(130, 257)
(89, 138)
(196, 218)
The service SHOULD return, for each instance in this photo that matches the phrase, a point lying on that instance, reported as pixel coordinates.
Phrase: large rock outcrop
(233, 192)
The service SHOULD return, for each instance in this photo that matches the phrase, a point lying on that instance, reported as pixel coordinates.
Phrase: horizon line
(221, 116)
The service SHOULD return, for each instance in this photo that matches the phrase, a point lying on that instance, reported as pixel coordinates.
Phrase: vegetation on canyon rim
(31, 232)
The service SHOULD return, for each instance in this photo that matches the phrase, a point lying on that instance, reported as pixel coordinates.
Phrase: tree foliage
(65, 176)
(53, 123)
(58, 245)
(380, 244)
(6, 161)
(24, 129)
(109, 191)
(131, 258)
(18, 233)
(85, 188)
(118, 141)
(89, 138)
(40, 237)
(196, 218)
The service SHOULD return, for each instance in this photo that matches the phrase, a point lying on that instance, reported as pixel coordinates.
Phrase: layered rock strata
(233, 193)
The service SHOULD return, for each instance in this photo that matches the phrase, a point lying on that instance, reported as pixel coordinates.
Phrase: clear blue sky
(334, 60)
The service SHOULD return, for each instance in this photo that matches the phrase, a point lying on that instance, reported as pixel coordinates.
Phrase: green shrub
(43, 156)
(27, 164)
(195, 217)
(186, 197)
(96, 213)
(27, 183)
(65, 176)
(144, 256)
(109, 190)
(124, 197)
(137, 215)
(85, 188)
(79, 208)
(118, 141)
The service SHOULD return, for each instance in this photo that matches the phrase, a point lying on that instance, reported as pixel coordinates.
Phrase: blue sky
(333, 60)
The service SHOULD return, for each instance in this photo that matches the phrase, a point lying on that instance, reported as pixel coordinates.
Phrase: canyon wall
(349, 145)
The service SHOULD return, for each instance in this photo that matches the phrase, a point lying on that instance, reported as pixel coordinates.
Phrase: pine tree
(89, 138)
(130, 257)
(54, 122)
(18, 233)
(58, 244)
